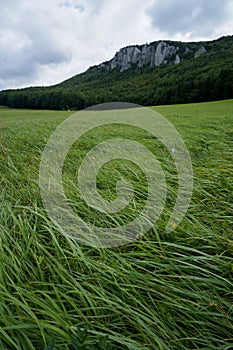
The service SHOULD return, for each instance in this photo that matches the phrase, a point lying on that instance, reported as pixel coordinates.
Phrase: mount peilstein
(150, 55)
(162, 72)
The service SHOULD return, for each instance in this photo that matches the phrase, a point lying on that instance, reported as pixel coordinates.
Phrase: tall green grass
(165, 291)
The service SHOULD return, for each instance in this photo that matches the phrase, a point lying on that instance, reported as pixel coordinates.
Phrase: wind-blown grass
(165, 291)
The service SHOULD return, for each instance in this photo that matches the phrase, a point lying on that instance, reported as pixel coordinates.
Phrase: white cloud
(45, 42)
(194, 20)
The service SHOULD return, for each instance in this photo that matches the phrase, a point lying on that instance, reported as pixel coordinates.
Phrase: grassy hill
(166, 291)
(206, 78)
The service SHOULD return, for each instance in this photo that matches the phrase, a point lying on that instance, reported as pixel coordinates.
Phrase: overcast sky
(44, 42)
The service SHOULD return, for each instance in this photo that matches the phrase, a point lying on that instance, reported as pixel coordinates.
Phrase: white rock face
(177, 59)
(150, 55)
(147, 55)
(200, 52)
(125, 58)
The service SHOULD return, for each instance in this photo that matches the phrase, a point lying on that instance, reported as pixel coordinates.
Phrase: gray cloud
(26, 44)
(198, 17)
(74, 4)
(44, 42)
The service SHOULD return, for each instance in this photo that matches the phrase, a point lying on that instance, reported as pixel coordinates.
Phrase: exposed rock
(125, 58)
(146, 55)
(151, 55)
(177, 59)
(200, 51)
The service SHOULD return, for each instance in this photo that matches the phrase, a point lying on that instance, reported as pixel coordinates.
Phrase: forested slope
(193, 79)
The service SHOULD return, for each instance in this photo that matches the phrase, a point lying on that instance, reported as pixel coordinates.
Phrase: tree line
(207, 78)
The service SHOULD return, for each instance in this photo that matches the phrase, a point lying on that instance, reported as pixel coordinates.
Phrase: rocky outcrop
(200, 52)
(151, 55)
(177, 59)
(145, 55)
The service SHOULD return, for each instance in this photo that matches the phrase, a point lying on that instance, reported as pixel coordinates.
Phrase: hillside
(162, 72)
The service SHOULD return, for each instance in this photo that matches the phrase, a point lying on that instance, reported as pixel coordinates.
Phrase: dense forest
(206, 78)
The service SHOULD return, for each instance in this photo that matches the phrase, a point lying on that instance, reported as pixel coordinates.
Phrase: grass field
(165, 291)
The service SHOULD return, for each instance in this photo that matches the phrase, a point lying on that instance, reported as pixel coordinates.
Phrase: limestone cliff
(151, 55)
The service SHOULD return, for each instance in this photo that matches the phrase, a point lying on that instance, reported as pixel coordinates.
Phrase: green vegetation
(206, 78)
(165, 291)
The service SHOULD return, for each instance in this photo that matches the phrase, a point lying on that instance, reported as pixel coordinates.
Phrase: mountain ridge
(194, 51)
(153, 54)
(161, 72)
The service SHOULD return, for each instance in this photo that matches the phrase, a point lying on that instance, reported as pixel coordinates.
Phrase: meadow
(164, 291)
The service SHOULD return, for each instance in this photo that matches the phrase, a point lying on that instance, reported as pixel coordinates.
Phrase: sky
(47, 41)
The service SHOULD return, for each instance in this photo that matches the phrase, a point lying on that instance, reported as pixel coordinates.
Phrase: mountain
(150, 55)
(162, 72)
